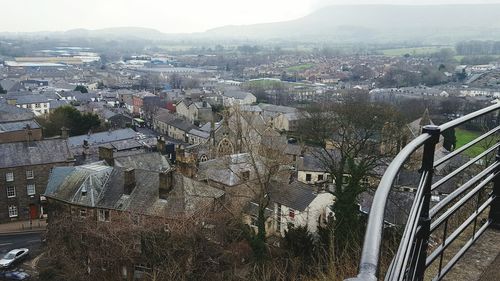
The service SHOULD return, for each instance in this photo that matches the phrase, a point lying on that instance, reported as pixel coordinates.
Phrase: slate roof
(164, 115)
(199, 104)
(236, 94)
(125, 144)
(199, 133)
(180, 124)
(226, 170)
(57, 103)
(102, 137)
(207, 127)
(38, 152)
(250, 108)
(81, 185)
(51, 95)
(13, 113)
(107, 114)
(104, 186)
(277, 108)
(310, 163)
(10, 85)
(30, 99)
(295, 195)
(147, 161)
(18, 125)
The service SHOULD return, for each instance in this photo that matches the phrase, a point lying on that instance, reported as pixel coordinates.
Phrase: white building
(39, 104)
(293, 204)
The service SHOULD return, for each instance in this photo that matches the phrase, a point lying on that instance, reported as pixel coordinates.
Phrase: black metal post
(417, 264)
(495, 205)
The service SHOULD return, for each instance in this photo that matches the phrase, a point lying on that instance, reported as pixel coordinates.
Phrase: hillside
(442, 23)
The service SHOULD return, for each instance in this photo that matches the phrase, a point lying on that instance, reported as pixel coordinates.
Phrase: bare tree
(267, 163)
(167, 248)
(354, 137)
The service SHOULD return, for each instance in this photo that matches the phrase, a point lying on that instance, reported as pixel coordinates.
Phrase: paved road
(32, 241)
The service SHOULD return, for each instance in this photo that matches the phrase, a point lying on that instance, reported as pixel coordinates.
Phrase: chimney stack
(160, 145)
(106, 154)
(29, 134)
(128, 181)
(165, 184)
(86, 147)
(64, 132)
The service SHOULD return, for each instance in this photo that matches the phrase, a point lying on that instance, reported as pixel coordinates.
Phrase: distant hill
(438, 23)
(117, 32)
(343, 24)
(106, 33)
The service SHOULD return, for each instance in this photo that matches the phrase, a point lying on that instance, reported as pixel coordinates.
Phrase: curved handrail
(373, 237)
(370, 254)
(468, 117)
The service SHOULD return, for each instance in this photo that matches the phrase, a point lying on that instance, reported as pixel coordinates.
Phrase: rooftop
(35, 153)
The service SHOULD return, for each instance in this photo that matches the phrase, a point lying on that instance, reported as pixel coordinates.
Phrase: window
(291, 213)
(9, 176)
(29, 174)
(245, 175)
(83, 213)
(308, 177)
(320, 177)
(30, 189)
(11, 191)
(203, 158)
(103, 215)
(37, 105)
(12, 211)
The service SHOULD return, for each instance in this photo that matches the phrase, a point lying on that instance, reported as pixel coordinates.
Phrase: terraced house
(24, 171)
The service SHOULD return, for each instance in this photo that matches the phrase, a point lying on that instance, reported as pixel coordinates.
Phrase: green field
(465, 136)
(300, 67)
(413, 51)
(264, 83)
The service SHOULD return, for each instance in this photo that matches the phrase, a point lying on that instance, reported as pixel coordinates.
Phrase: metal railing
(415, 253)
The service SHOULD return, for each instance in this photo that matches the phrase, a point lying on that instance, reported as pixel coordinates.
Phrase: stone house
(24, 171)
(172, 126)
(292, 204)
(135, 190)
(200, 111)
(18, 124)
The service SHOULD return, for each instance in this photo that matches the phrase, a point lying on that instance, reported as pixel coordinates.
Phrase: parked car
(14, 276)
(13, 257)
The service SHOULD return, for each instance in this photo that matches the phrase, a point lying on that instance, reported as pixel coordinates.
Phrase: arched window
(225, 147)
(203, 158)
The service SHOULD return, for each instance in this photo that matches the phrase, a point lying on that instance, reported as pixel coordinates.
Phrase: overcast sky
(170, 16)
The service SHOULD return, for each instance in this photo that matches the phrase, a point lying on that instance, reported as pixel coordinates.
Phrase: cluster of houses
(199, 159)
(121, 161)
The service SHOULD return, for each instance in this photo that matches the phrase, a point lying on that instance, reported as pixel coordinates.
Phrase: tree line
(476, 47)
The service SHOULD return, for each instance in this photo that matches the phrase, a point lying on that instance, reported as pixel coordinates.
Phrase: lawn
(300, 67)
(413, 51)
(264, 83)
(465, 136)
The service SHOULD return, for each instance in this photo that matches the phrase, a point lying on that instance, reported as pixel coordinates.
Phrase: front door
(33, 211)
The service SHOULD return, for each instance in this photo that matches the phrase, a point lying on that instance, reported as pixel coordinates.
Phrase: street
(32, 241)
